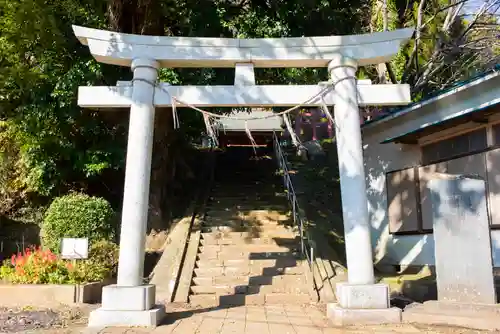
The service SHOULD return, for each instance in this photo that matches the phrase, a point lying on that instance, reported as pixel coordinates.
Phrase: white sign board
(75, 248)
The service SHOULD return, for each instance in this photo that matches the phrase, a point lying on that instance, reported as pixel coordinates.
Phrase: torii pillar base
(340, 316)
(127, 306)
(362, 304)
(103, 318)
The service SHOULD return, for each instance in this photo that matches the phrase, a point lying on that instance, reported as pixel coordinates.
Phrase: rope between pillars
(329, 86)
(212, 128)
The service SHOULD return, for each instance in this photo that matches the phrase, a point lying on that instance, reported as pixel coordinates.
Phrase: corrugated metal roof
(454, 117)
(396, 112)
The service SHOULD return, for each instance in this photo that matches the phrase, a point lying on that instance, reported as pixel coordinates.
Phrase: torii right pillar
(359, 300)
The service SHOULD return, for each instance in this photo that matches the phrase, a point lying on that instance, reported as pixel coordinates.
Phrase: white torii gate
(129, 302)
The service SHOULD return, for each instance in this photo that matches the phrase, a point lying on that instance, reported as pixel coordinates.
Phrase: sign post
(75, 248)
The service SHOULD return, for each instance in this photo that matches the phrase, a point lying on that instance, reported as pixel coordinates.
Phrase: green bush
(105, 253)
(101, 264)
(77, 216)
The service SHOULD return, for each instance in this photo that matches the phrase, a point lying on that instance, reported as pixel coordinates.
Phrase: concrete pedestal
(344, 317)
(362, 296)
(362, 304)
(127, 306)
(105, 318)
(478, 316)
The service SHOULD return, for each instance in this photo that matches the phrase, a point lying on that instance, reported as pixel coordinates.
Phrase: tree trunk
(161, 164)
(145, 17)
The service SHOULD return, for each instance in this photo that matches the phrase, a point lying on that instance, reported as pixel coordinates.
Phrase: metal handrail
(305, 245)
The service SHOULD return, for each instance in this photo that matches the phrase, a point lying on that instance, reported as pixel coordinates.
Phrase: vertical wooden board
(402, 201)
(493, 176)
(425, 174)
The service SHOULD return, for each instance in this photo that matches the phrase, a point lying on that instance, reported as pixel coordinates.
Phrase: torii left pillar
(129, 302)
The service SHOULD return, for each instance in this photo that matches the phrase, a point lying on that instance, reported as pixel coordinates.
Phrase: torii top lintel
(120, 49)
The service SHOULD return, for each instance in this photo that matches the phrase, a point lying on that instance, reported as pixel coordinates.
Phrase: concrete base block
(345, 317)
(124, 298)
(475, 316)
(363, 296)
(105, 318)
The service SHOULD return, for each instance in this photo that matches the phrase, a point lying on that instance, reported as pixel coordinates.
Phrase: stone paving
(273, 319)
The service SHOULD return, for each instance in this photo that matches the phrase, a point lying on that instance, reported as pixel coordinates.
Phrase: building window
(492, 163)
(449, 148)
(403, 201)
(496, 134)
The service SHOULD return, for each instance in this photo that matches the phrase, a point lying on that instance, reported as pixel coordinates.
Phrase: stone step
(232, 281)
(239, 190)
(241, 271)
(434, 306)
(249, 299)
(256, 230)
(248, 199)
(235, 183)
(278, 212)
(246, 255)
(236, 253)
(473, 316)
(247, 179)
(244, 289)
(237, 198)
(236, 222)
(247, 249)
(264, 208)
(251, 193)
(294, 240)
(265, 263)
(249, 218)
(284, 233)
(243, 202)
(252, 226)
(260, 213)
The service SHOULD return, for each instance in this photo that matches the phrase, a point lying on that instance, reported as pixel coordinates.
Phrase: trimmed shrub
(105, 253)
(77, 216)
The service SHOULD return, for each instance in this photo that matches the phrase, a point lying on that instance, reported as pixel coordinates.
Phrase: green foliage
(77, 216)
(101, 264)
(444, 53)
(41, 66)
(104, 253)
(37, 266)
(58, 147)
(49, 146)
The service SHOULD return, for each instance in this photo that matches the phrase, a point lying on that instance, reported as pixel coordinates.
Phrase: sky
(473, 5)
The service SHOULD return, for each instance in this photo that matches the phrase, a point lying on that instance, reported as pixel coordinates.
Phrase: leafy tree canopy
(50, 145)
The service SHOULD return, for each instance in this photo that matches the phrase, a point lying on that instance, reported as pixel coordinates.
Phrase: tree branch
(418, 31)
(483, 9)
(390, 71)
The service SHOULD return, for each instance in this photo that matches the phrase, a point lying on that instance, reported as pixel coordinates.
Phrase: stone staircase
(249, 254)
